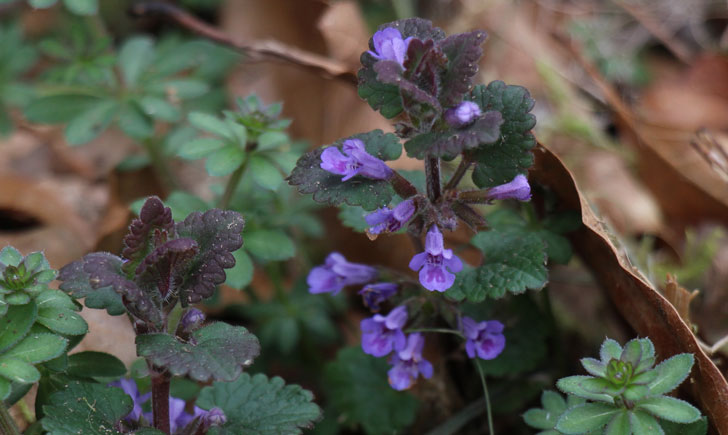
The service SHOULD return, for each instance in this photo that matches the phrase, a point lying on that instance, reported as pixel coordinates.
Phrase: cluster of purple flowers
(483, 339)
(354, 160)
(178, 418)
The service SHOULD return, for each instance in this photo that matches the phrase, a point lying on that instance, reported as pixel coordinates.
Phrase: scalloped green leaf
(257, 404)
(450, 143)
(670, 408)
(86, 408)
(21, 317)
(218, 351)
(512, 264)
(35, 348)
(499, 162)
(586, 417)
(671, 373)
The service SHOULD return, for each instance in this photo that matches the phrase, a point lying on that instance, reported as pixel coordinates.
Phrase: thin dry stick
(255, 50)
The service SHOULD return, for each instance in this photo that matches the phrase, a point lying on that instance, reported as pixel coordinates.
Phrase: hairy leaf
(21, 317)
(499, 162)
(586, 417)
(670, 408)
(512, 263)
(154, 220)
(450, 143)
(218, 351)
(36, 348)
(573, 385)
(86, 408)
(77, 283)
(256, 404)
(463, 52)
(18, 371)
(218, 235)
(644, 424)
(165, 266)
(671, 373)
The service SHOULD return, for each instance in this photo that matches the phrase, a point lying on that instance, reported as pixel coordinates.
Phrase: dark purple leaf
(417, 27)
(166, 266)
(463, 52)
(450, 143)
(76, 282)
(389, 72)
(218, 235)
(154, 222)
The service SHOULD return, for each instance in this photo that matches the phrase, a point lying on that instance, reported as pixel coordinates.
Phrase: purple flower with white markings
(408, 364)
(462, 114)
(383, 334)
(354, 160)
(437, 265)
(389, 45)
(484, 339)
(518, 188)
(388, 219)
(336, 273)
(375, 294)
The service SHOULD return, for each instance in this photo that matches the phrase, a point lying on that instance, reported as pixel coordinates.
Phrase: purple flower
(389, 45)
(178, 418)
(214, 417)
(375, 294)
(408, 364)
(484, 339)
(390, 220)
(336, 273)
(463, 114)
(354, 160)
(192, 319)
(437, 265)
(518, 189)
(130, 388)
(382, 334)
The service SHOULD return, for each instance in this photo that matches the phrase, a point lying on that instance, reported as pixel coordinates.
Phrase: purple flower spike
(375, 294)
(437, 265)
(484, 339)
(336, 273)
(408, 364)
(355, 160)
(382, 334)
(463, 114)
(518, 189)
(390, 220)
(389, 45)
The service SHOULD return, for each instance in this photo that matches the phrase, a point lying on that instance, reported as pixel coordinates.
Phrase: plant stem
(432, 172)
(232, 184)
(401, 186)
(160, 399)
(474, 196)
(440, 330)
(459, 173)
(7, 425)
(487, 397)
(28, 415)
(160, 164)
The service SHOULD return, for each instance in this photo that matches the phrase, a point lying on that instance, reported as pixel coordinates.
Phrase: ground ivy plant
(421, 79)
(625, 394)
(164, 268)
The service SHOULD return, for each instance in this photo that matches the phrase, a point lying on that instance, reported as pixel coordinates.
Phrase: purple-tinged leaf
(216, 352)
(218, 235)
(463, 52)
(452, 142)
(154, 221)
(389, 72)
(105, 270)
(417, 27)
(75, 282)
(166, 266)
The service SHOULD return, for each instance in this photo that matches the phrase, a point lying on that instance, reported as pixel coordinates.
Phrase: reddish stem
(160, 399)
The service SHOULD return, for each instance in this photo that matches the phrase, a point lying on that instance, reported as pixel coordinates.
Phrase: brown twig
(255, 50)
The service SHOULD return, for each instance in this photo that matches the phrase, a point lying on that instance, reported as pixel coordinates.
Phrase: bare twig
(255, 50)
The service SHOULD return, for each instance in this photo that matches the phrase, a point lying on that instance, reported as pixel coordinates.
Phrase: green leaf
(55, 299)
(609, 350)
(82, 7)
(353, 217)
(540, 419)
(210, 124)
(258, 405)
(242, 273)
(586, 417)
(358, 389)
(5, 388)
(328, 188)
(41, 4)
(670, 408)
(553, 402)
(135, 56)
(513, 263)
(105, 299)
(86, 408)
(91, 364)
(182, 204)
(225, 160)
(90, 123)
(264, 173)
(59, 109)
(200, 147)
(699, 427)
(451, 143)
(380, 96)
(62, 321)
(269, 245)
(272, 139)
(218, 351)
(619, 425)
(21, 317)
(499, 162)
(18, 371)
(181, 88)
(134, 122)
(573, 385)
(643, 423)
(671, 373)
(36, 348)
(159, 108)
(10, 256)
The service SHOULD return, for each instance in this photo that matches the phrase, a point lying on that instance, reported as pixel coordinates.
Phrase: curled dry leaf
(646, 310)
